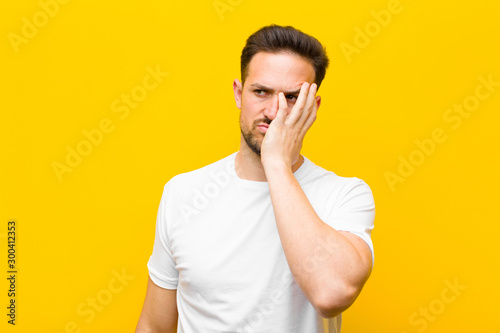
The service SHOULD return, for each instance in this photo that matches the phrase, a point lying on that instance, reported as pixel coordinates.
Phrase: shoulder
(339, 189)
(217, 170)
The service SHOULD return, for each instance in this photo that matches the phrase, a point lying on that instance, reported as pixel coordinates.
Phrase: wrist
(276, 166)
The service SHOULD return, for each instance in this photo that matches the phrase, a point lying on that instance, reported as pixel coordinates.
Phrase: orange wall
(406, 106)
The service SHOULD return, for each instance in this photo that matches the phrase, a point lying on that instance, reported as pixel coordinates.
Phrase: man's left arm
(330, 266)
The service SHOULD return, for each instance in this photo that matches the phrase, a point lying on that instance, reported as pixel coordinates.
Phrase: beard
(250, 136)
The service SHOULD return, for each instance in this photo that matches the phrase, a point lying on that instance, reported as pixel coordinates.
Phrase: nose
(271, 107)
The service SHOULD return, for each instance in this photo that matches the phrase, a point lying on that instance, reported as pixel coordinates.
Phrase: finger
(299, 104)
(309, 105)
(311, 119)
(282, 108)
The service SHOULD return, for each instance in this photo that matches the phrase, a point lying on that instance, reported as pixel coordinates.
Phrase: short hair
(275, 39)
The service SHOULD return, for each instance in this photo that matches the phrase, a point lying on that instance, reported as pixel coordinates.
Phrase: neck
(248, 165)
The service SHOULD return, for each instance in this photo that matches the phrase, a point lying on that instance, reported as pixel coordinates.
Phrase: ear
(237, 89)
(318, 101)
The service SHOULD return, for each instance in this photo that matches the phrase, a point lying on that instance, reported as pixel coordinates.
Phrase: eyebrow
(262, 87)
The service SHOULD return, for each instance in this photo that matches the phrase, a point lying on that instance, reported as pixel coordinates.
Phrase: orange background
(393, 79)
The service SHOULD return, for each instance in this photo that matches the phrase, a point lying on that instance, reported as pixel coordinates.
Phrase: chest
(230, 246)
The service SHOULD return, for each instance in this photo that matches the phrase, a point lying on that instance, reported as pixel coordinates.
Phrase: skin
(330, 266)
(280, 72)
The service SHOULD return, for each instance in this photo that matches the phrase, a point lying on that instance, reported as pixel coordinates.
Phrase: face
(268, 74)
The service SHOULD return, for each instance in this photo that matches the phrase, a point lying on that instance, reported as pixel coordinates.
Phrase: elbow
(339, 295)
(331, 304)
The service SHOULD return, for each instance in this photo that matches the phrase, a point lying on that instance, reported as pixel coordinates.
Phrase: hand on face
(283, 140)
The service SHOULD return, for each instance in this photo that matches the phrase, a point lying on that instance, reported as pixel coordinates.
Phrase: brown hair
(274, 39)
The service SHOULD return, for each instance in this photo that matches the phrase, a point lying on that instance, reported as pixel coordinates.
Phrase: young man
(262, 240)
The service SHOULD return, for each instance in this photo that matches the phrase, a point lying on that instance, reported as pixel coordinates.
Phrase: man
(262, 240)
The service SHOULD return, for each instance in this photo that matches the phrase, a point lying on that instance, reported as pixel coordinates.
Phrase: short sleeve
(353, 210)
(161, 264)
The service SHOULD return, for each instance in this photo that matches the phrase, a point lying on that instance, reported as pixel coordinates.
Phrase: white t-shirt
(217, 243)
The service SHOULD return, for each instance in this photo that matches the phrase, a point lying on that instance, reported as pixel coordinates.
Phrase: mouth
(263, 127)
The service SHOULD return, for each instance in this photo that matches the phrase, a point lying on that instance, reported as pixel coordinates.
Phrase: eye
(259, 92)
(292, 98)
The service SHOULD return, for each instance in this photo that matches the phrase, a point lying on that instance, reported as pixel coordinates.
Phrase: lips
(263, 127)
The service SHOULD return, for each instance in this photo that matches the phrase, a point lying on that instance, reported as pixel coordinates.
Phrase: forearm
(325, 264)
